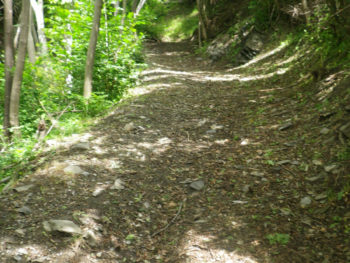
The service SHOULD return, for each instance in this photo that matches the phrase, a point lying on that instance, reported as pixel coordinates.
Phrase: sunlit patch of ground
(198, 249)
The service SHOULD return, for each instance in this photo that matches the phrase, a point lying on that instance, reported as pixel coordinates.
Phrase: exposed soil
(187, 123)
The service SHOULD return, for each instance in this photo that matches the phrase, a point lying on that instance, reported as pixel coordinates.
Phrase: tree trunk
(202, 32)
(92, 49)
(38, 7)
(18, 76)
(9, 62)
(134, 6)
(116, 6)
(31, 43)
(122, 23)
(139, 7)
(306, 11)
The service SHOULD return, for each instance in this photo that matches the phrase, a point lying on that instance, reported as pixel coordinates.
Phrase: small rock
(19, 259)
(73, 169)
(286, 126)
(290, 144)
(210, 131)
(40, 260)
(25, 210)
(20, 232)
(81, 146)
(99, 254)
(118, 185)
(98, 191)
(330, 168)
(317, 162)
(257, 173)
(146, 205)
(197, 185)
(64, 226)
(284, 162)
(345, 129)
(325, 131)
(247, 188)
(130, 127)
(23, 188)
(245, 142)
(321, 196)
(314, 178)
(91, 238)
(305, 202)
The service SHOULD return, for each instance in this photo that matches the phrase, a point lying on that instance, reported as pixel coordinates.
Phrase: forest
(175, 131)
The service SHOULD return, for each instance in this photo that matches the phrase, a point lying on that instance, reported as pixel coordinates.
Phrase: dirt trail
(187, 124)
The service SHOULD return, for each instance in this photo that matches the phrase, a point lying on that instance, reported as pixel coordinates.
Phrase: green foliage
(53, 86)
(277, 238)
(174, 21)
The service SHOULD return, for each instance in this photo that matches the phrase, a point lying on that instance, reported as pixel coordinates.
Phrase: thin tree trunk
(38, 7)
(30, 43)
(18, 76)
(9, 62)
(202, 32)
(139, 7)
(116, 6)
(134, 6)
(123, 16)
(92, 49)
(306, 11)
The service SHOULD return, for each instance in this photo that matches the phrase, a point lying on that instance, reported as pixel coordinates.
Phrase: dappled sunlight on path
(180, 173)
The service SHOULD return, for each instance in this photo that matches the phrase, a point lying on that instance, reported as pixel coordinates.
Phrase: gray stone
(40, 260)
(325, 131)
(254, 41)
(321, 196)
(210, 131)
(285, 126)
(98, 191)
(25, 210)
(330, 168)
(146, 205)
(73, 169)
(305, 202)
(317, 162)
(197, 185)
(130, 127)
(23, 188)
(20, 232)
(91, 238)
(64, 226)
(257, 173)
(284, 162)
(118, 185)
(246, 189)
(314, 178)
(81, 146)
(345, 129)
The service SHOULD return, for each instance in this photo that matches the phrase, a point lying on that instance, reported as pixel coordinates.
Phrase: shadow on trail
(174, 134)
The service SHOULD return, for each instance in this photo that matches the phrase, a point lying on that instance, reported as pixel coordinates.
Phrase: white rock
(65, 226)
(329, 168)
(73, 169)
(325, 131)
(197, 185)
(23, 188)
(130, 127)
(81, 146)
(305, 202)
(118, 185)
